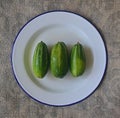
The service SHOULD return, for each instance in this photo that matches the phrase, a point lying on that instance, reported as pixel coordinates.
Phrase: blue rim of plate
(101, 77)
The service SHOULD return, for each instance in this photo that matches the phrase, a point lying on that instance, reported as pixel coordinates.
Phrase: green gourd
(77, 60)
(59, 60)
(40, 60)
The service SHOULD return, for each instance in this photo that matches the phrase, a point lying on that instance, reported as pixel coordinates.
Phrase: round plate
(50, 28)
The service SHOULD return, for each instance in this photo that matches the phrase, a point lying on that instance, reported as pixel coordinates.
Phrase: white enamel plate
(50, 28)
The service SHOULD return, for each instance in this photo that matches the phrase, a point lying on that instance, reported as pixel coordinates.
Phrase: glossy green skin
(40, 60)
(77, 60)
(59, 60)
